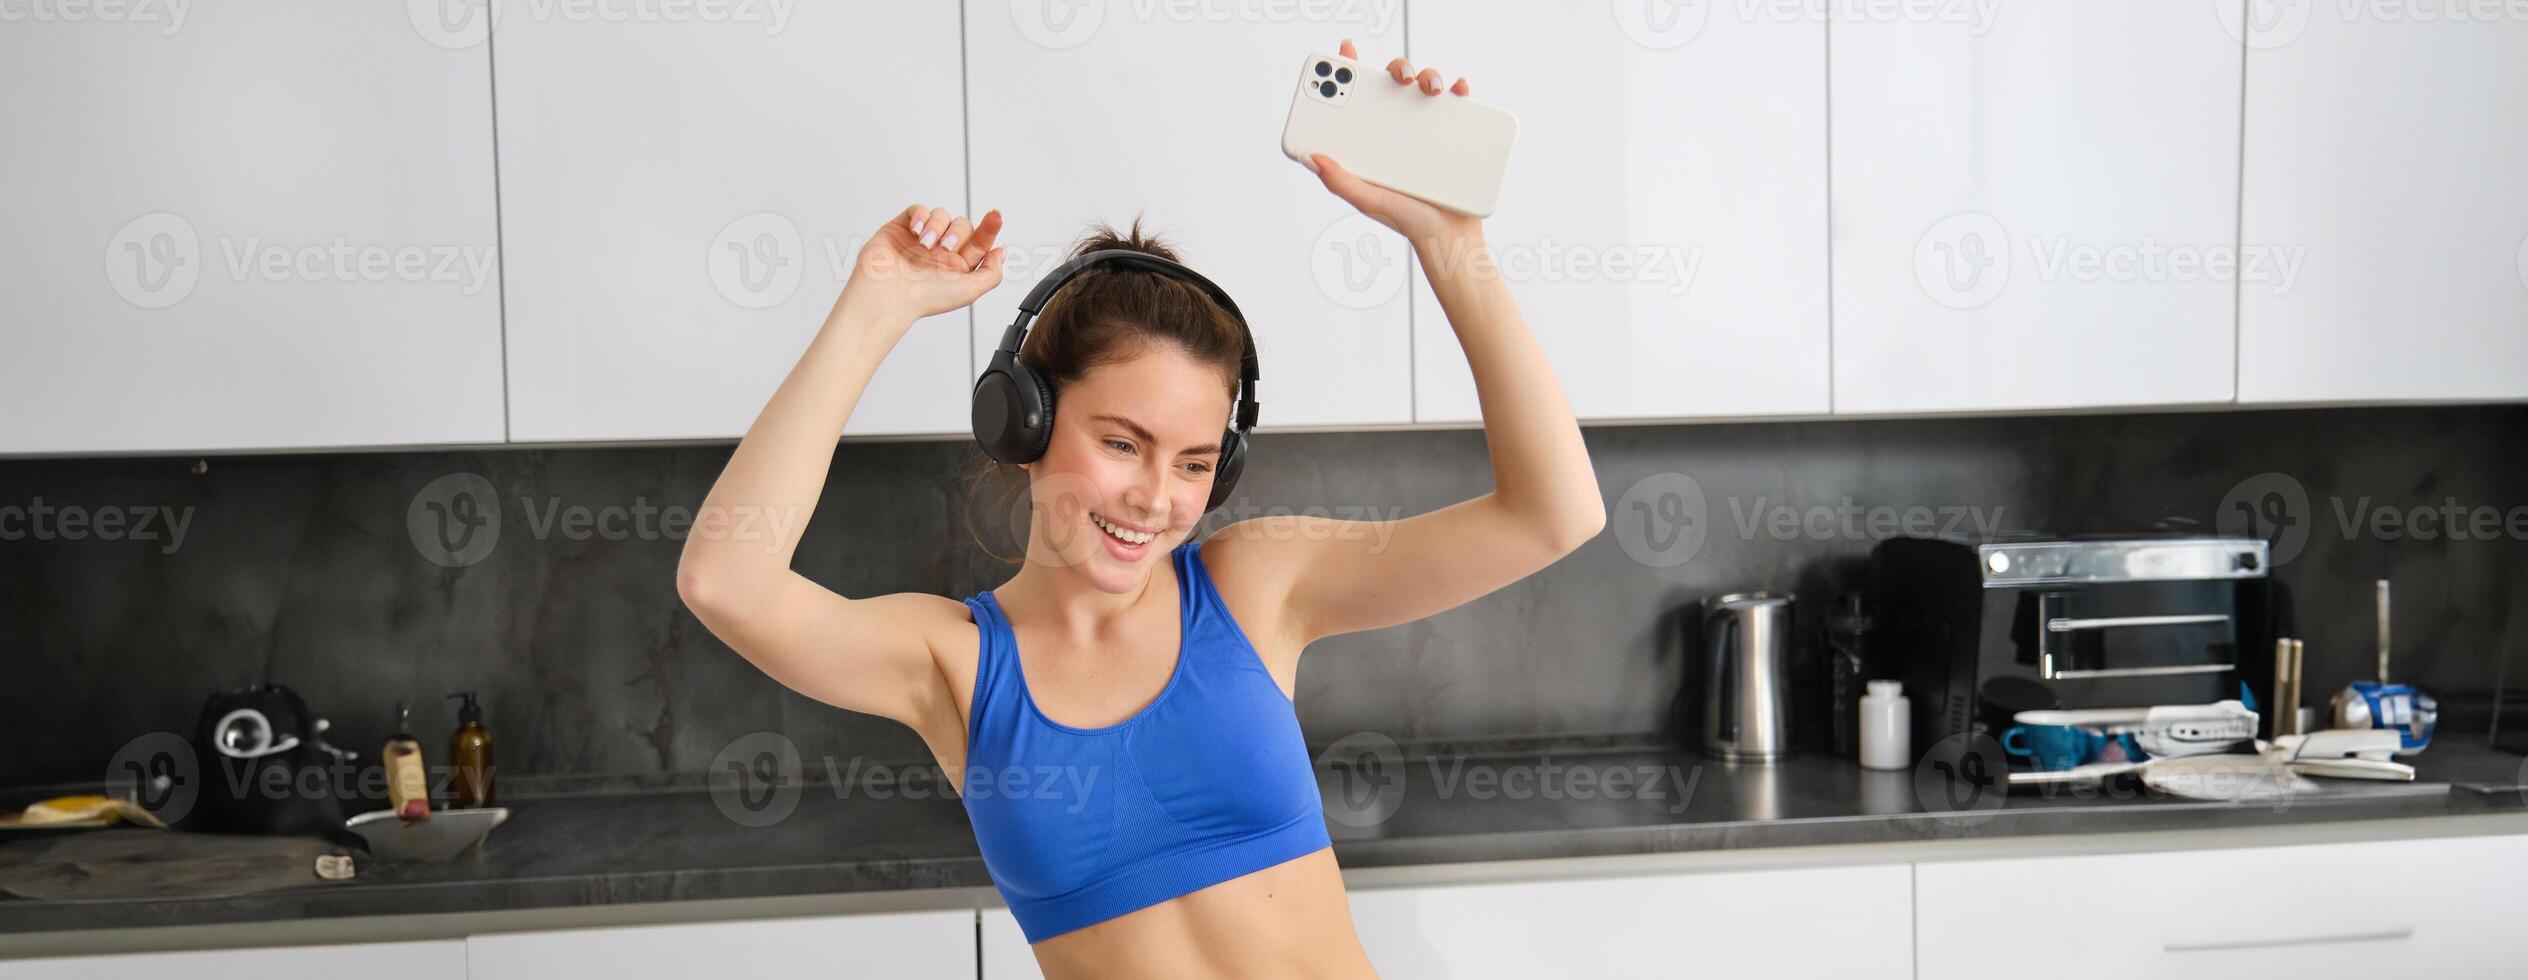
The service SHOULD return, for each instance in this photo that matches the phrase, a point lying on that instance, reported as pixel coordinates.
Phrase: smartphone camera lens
(1325, 89)
(1324, 69)
(1343, 75)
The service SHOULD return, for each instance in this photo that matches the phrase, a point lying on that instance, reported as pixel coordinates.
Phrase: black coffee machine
(265, 767)
(1982, 630)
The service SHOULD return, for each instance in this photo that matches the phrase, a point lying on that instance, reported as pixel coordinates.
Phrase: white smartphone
(1450, 150)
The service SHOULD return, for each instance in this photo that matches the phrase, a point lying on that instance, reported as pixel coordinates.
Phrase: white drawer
(2440, 907)
(1845, 923)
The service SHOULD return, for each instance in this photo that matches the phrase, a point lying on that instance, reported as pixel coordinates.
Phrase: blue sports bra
(1211, 781)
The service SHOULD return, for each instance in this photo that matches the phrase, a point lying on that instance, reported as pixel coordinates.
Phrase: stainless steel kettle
(1747, 683)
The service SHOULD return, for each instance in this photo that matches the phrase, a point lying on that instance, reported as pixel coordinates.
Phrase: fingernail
(928, 238)
(948, 242)
(918, 222)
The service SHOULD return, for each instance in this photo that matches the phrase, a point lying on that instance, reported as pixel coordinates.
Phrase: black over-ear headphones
(1013, 405)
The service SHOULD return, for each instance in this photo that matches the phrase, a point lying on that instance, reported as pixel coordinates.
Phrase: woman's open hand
(927, 261)
(1418, 220)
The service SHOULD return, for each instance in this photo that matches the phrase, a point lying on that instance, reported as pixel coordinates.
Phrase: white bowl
(445, 835)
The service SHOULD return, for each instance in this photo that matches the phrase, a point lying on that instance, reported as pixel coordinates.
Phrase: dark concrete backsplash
(130, 588)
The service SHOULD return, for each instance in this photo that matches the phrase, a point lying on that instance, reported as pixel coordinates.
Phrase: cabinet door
(907, 945)
(439, 960)
(2034, 205)
(2405, 908)
(2386, 146)
(1174, 111)
(1664, 223)
(1853, 923)
(682, 194)
(244, 226)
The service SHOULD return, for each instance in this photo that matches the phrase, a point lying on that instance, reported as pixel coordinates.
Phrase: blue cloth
(1211, 781)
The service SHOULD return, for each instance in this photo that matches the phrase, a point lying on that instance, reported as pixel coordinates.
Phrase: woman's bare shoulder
(1253, 587)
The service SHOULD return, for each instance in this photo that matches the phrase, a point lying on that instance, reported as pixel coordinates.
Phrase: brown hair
(1108, 316)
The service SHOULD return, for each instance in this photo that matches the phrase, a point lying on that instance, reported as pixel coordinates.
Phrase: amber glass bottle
(469, 756)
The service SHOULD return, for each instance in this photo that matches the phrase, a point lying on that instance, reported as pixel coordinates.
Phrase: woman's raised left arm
(1346, 576)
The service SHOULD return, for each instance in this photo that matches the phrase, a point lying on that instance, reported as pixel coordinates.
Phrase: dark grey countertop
(601, 848)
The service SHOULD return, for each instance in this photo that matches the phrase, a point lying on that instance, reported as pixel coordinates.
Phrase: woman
(1172, 828)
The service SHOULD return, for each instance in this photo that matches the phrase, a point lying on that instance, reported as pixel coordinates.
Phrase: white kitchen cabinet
(1096, 112)
(244, 226)
(1664, 220)
(893, 946)
(2035, 205)
(2387, 142)
(682, 195)
(435, 960)
(1853, 923)
(2433, 907)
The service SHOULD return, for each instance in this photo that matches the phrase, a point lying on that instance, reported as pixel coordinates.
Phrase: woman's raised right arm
(867, 655)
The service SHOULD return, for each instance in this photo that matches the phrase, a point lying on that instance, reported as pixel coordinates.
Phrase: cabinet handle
(2381, 936)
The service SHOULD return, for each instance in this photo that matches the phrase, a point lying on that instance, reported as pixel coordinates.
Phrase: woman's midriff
(1288, 920)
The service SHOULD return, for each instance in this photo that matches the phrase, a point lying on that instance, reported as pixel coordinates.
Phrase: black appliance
(1981, 630)
(266, 768)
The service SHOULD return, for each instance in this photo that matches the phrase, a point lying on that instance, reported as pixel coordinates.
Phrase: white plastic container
(1886, 727)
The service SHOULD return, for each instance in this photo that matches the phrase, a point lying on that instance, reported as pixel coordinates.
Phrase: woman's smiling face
(1134, 449)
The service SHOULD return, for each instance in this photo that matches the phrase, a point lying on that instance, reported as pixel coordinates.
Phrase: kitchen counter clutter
(1387, 819)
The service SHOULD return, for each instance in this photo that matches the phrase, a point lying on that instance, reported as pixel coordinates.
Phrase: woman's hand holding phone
(1417, 220)
(922, 262)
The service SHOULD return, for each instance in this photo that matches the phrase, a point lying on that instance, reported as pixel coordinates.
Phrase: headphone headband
(1123, 258)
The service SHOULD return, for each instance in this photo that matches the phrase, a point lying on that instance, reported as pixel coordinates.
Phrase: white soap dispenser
(1886, 727)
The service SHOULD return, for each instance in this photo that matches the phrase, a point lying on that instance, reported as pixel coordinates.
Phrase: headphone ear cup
(1012, 412)
(1232, 463)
